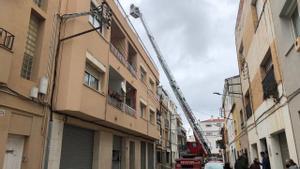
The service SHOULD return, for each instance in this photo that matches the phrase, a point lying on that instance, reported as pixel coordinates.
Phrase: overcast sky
(196, 38)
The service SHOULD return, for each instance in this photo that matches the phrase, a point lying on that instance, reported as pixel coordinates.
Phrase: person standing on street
(255, 164)
(227, 166)
(290, 164)
(265, 161)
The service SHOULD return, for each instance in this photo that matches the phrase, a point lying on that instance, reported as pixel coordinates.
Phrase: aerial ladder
(135, 12)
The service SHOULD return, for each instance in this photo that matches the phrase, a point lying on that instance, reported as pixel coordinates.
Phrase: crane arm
(135, 12)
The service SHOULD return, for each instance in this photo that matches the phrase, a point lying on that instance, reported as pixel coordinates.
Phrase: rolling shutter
(77, 148)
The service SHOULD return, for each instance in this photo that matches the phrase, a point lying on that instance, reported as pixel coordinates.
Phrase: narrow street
(149, 84)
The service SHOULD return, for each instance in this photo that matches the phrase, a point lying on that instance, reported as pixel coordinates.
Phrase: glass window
(143, 110)
(296, 22)
(93, 77)
(152, 117)
(30, 47)
(143, 75)
(95, 19)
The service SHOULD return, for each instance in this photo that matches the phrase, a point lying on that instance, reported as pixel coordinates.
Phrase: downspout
(50, 123)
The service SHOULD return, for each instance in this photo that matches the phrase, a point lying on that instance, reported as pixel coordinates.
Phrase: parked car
(214, 165)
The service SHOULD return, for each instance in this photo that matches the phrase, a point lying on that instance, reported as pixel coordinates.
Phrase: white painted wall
(211, 129)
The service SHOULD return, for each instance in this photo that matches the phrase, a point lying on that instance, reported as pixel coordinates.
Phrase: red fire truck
(193, 158)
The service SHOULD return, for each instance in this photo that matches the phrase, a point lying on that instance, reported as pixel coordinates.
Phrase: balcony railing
(6, 39)
(123, 60)
(121, 106)
(270, 85)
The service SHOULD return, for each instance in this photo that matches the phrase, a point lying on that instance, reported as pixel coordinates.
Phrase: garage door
(77, 148)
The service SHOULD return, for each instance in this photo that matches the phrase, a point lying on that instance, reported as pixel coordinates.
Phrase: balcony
(180, 131)
(121, 94)
(270, 85)
(121, 106)
(123, 60)
(122, 49)
(6, 39)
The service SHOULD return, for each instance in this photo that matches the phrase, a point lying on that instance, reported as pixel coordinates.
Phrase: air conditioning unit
(34, 92)
(297, 44)
(43, 85)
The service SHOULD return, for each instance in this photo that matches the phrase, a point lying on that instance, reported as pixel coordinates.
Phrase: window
(296, 22)
(242, 118)
(158, 156)
(143, 110)
(95, 19)
(152, 116)
(248, 105)
(143, 74)
(269, 82)
(168, 157)
(290, 11)
(93, 77)
(6, 39)
(208, 125)
(30, 47)
(152, 85)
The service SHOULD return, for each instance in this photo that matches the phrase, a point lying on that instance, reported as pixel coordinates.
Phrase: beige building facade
(270, 127)
(71, 98)
(26, 36)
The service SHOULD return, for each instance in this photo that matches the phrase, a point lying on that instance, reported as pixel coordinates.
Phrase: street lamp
(230, 94)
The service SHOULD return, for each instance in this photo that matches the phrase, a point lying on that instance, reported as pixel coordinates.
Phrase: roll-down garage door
(77, 148)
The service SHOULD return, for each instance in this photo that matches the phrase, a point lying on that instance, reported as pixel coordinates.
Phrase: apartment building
(285, 16)
(102, 110)
(163, 148)
(212, 132)
(178, 136)
(234, 112)
(27, 33)
(262, 28)
(181, 137)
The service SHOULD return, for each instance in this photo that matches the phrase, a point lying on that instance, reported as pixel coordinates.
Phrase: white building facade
(211, 130)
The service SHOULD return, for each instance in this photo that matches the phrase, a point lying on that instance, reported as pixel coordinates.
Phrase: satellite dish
(123, 86)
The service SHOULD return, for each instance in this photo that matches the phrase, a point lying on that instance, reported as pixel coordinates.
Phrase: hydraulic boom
(135, 12)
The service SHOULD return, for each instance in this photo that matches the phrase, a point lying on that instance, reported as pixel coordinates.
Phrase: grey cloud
(197, 39)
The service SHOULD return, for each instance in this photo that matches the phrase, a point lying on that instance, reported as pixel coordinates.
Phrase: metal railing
(135, 32)
(6, 39)
(270, 85)
(121, 106)
(129, 110)
(123, 60)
